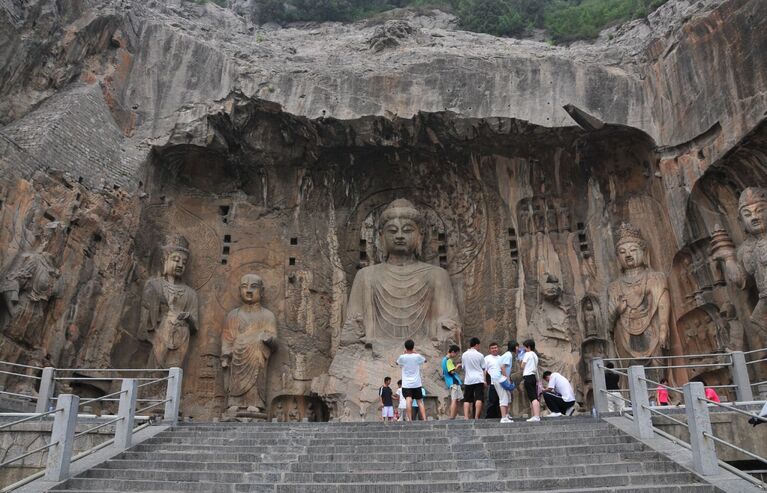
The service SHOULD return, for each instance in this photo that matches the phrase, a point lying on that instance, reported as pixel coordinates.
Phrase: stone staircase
(563, 454)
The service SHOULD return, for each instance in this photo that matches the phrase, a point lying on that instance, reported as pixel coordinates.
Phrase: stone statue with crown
(169, 312)
(401, 298)
(749, 261)
(638, 302)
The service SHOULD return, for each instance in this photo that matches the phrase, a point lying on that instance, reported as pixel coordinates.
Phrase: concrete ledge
(725, 480)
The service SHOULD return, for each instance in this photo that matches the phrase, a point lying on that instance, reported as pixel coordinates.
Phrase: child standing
(530, 377)
(387, 404)
(401, 401)
(661, 393)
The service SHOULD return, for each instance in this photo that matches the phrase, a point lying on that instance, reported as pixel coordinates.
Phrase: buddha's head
(752, 207)
(251, 289)
(551, 289)
(630, 247)
(401, 229)
(175, 255)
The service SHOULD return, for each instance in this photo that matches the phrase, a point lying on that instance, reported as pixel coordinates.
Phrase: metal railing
(696, 406)
(65, 413)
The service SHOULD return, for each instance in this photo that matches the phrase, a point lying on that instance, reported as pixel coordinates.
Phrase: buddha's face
(631, 255)
(175, 264)
(551, 291)
(250, 289)
(754, 217)
(401, 236)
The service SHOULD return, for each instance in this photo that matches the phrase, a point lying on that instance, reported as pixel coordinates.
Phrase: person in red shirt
(710, 393)
(661, 393)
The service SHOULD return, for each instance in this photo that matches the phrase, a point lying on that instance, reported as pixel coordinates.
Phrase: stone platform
(564, 454)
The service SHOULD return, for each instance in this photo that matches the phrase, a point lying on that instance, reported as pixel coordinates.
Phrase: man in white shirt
(530, 377)
(493, 365)
(411, 379)
(474, 379)
(558, 394)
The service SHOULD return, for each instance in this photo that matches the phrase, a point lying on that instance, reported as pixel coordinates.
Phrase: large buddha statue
(749, 260)
(638, 302)
(247, 342)
(169, 312)
(402, 298)
(398, 299)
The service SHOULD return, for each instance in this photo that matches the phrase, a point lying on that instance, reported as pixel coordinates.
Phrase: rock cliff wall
(273, 150)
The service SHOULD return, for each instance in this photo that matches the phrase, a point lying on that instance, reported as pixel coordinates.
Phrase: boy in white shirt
(493, 365)
(411, 379)
(400, 402)
(558, 394)
(474, 379)
(530, 377)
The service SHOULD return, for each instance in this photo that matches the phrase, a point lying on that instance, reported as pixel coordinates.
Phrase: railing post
(62, 438)
(127, 413)
(640, 402)
(173, 395)
(740, 379)
(698, 422)
(599, 385)
(45, 393)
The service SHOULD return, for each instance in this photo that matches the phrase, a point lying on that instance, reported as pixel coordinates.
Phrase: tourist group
(495, 372)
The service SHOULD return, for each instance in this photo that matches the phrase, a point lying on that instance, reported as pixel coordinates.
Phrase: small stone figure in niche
(28, 289)
(638, 302)
(247, 342)
(169, 313)
(590, 319)
(749, 259)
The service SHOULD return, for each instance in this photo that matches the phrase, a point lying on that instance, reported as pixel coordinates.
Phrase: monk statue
(748, 261)
(28, 289)
(403, 297)
(638, 302)
(398, 299)
(169, 314)
(553, 327)
(247, 341)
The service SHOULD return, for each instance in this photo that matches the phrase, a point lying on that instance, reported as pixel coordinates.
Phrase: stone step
(208, 456)
(182, 465)
(571, 483)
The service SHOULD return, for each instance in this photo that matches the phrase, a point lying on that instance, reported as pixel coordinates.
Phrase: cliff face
(273, 151)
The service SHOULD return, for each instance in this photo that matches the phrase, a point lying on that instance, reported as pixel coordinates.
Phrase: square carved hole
(292, 261)
(294, 241)
(227, 238)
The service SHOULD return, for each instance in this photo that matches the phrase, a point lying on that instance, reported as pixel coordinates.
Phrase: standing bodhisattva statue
(247, 341)
(169, 312)
(750, 259)
(639, 305)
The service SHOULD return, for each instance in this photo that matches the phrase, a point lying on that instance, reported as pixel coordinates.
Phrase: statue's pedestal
(358, 371)
(243, 415)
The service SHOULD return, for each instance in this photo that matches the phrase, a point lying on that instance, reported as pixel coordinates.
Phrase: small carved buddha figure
(638, 302)
(169, 313)
(750, 259)
(247, 342)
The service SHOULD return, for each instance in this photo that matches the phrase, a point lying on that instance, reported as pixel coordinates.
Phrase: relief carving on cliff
(639, 307)
(29, 288)
(248, 340)
(553, 327)
(169, 311)
(747, 262)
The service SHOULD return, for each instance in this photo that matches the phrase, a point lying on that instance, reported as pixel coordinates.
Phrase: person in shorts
(530, 378)
(474, 379)
(387, 401)
(411, 363)
(452, 380)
